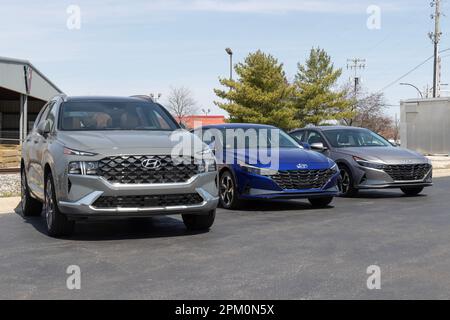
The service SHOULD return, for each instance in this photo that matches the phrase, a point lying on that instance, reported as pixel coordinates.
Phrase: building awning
(21, 77)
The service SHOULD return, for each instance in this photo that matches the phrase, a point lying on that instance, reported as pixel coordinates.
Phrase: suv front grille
(147, 201)
(407, 172)
(129, 169)
(303, 179)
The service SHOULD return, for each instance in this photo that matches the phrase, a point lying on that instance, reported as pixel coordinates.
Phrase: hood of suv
(391, 155)
(125, 141)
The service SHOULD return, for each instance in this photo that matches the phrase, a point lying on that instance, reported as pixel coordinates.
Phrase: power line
(411, 71)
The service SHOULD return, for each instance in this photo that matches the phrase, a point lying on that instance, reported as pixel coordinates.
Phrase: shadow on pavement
(378, 194)
(119, 229)
(278, 205)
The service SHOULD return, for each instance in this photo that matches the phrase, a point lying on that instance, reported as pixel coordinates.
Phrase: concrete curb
(7, 205)
(440, 162)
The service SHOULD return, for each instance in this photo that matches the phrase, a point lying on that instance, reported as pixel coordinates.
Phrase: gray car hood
(384, 154)
(115, 142)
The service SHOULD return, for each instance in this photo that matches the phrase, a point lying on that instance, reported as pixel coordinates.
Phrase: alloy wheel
(49, 204)
(344, 185)
(227, 190)
(23, 189)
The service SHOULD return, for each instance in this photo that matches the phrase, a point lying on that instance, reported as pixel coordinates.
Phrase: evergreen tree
(316, 98)
(260, 94)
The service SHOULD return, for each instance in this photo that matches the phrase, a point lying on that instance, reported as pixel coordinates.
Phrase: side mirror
(44, 128)
(318, 146)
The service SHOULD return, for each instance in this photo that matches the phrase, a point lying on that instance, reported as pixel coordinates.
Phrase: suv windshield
(112, 115)
(355, 138)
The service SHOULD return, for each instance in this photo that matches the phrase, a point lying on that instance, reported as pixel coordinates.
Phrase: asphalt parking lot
(271, 250)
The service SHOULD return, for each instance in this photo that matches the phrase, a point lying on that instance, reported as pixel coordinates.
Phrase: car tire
(30, 206)
(346, 182)
(57, 223)
(412, 191)
(198, 222)
(228, 191)
(320, 202)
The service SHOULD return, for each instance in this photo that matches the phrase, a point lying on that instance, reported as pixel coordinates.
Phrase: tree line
(261, 93)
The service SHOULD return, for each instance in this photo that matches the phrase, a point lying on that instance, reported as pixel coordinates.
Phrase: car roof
(103, 98)
(237, 126)
(326, 128)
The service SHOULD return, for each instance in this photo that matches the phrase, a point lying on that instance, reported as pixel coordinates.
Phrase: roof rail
(143, 97)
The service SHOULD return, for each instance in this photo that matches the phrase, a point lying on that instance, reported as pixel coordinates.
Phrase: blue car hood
(288, 158)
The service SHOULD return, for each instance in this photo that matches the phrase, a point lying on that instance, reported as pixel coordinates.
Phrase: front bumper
(370, 178)
(85, 190)
(253, 186)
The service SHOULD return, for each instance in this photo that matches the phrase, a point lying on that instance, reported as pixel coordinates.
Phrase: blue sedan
(263, 162)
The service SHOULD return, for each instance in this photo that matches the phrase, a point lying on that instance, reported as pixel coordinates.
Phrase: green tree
(316, 98)
(260, 94)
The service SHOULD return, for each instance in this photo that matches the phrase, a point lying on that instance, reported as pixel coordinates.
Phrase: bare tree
(368, 109)
(181, 102)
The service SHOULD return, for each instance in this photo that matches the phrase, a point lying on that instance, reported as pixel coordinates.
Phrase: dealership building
(23, 92)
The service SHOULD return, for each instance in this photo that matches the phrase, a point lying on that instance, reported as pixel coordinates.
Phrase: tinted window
(251, 138)
(315, 137)
(355, 138)
(51, 115)
(111, 115)
(299, 135)
(42, 114)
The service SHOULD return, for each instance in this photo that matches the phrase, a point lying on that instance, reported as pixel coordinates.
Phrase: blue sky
(138, 47)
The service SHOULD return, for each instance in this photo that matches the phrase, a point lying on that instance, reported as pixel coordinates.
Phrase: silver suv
(108, 157)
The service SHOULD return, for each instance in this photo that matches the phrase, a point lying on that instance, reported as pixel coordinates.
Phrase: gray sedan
(367, 160)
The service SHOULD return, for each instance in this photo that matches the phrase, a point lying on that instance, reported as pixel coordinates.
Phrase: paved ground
(271, 250)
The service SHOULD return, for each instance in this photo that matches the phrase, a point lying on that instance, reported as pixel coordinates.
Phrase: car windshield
(251, 138)
(355, 138)
(111, 115)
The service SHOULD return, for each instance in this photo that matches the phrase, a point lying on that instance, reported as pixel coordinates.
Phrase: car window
(42, 114)
(355, 138)
(299, 135)
(51, 115)
(315, 137)
(114, 115)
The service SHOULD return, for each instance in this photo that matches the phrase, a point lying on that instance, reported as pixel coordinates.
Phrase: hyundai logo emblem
(302, 166)
(151, 163)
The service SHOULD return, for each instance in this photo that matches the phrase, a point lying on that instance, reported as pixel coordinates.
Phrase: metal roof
(12, 78)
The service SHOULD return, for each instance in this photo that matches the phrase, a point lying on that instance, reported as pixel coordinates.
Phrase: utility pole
(436, 37)
(230, 53)
(356, 64)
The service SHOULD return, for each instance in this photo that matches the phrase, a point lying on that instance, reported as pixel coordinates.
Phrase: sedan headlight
(256, 170)
(369, 164)
(335, 168)
(83, 167)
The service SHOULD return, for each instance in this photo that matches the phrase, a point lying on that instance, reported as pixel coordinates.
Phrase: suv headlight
(368, 164)
(206, 161)
(83, 167)
(73, 152)
(256, 170)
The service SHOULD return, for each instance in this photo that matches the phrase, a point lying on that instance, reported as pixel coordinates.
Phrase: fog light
(75, 168)
(91, 167)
